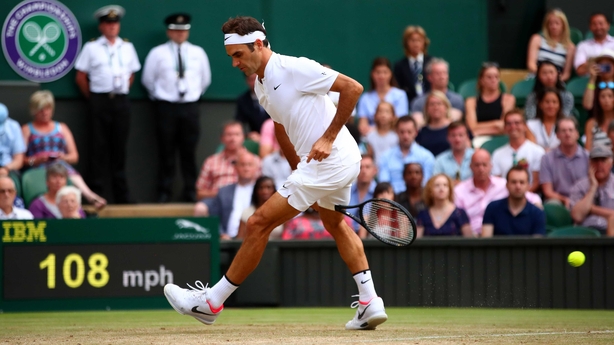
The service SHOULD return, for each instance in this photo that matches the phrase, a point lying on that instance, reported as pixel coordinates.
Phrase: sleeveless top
(557, 55)
(53, 141)
(489, 111)
(600, 137)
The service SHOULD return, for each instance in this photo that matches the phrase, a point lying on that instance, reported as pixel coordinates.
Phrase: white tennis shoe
(368, 316)
(192, 302)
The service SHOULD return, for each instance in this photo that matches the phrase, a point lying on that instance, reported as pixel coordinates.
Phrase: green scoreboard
(103, 263)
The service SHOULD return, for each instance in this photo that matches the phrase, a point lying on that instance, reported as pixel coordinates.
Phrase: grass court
(311, 326)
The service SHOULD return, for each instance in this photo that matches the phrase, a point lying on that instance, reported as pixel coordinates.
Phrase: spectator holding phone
(601, 74)
(599, 25)
(48, 141)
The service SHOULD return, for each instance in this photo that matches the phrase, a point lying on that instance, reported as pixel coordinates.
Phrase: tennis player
(324, 158)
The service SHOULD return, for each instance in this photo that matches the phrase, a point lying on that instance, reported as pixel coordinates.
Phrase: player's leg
(370, 310)
(205, 304)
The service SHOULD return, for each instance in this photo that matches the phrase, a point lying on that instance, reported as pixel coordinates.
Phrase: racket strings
(388, 222)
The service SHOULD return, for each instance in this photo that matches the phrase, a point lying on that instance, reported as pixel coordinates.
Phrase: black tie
(180, 63)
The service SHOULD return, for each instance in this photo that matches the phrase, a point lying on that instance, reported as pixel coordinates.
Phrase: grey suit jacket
(221, 205)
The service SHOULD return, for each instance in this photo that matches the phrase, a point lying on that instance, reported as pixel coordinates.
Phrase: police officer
(105, 71)
(176, 74)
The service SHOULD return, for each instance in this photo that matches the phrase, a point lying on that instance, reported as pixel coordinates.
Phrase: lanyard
(184, 58)
(119, 55)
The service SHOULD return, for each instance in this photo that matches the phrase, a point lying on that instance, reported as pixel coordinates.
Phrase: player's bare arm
(349, 92)
(286, 146)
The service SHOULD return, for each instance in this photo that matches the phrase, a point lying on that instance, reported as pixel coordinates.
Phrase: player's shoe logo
(195, 310)
(360, 315)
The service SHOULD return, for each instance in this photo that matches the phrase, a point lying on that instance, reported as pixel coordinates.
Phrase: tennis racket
(385, 219)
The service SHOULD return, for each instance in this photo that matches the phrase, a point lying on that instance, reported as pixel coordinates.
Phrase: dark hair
(381, 61)
(56, 168)
(404, 119)
(457, 124)
(243, 26)
(540, 97)
(597, 109)
(259, 182)
(599, 13)
(406, 166)
(566, 118)
(381, 188)
(517, 168)
(539, 86)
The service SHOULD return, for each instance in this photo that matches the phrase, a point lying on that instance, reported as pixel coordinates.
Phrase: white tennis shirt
(294, 93)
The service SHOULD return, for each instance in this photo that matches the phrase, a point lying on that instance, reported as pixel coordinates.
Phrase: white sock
(366, 290)
(220, 292)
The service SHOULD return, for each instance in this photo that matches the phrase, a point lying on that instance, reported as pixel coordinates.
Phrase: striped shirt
(217, 171)
(556, 55)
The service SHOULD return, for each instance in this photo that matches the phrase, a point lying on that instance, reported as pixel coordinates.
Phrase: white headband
(249, 38)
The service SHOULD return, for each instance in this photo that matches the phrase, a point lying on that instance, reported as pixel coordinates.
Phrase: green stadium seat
(469, 88)
(451, 87)
(494, 143)
(33, 184)
(577, 86)
(521, 90)
(576, 35)
(17, 181)
(557, 216)
(574, 231)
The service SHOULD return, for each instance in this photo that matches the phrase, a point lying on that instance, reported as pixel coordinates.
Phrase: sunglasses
(603, 85)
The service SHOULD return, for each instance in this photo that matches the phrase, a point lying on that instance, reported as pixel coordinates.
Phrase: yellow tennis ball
(576, 259)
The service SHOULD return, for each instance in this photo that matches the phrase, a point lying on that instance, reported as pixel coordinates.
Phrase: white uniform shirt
(294, 93)
(161, 72)
(503, 158)
(109, 67)
(17, 213)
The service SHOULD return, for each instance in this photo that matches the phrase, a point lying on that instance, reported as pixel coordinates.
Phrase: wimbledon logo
(41, 40)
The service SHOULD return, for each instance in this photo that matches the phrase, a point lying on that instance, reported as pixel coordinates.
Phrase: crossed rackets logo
(41, 39)
(49, 34)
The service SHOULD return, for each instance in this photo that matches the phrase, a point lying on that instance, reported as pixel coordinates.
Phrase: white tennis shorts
(324, 183)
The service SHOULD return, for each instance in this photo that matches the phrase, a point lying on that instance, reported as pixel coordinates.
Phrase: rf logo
(41, 40)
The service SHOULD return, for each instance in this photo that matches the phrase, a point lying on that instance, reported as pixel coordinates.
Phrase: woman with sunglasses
(483, 113)
(597, 127)
(553, 44)
(601, 72)
(548, 77)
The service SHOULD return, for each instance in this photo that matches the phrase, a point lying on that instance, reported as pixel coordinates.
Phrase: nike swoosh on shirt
(195, 310)
(275, 88)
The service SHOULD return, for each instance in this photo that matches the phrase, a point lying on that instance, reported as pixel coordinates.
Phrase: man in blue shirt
(393, 161)
(12, 146)
(455, 161)
(514, 215)
(362, 189)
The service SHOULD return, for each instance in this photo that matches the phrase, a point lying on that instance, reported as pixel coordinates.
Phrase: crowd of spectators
(421, 145)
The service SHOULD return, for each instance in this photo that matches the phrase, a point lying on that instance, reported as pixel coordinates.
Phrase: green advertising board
(103, 263)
